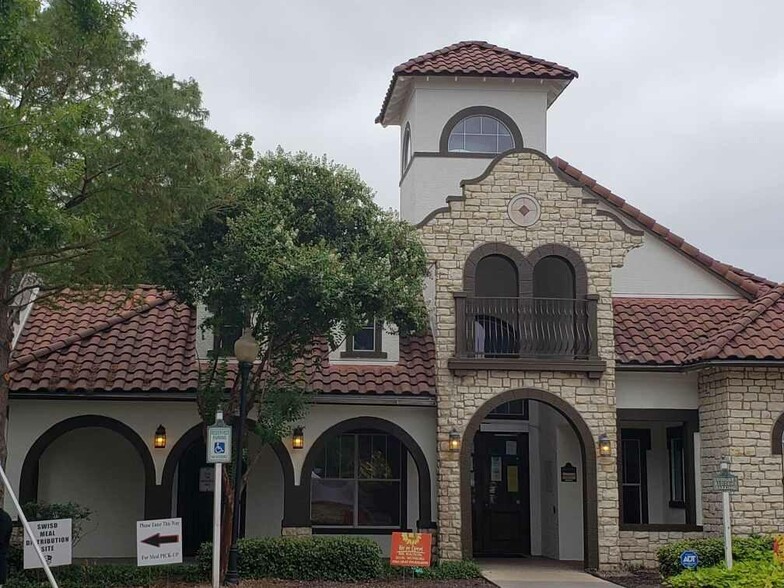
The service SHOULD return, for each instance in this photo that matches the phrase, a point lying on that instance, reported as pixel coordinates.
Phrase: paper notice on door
(511, 447)
(512, 484)
(496, 475)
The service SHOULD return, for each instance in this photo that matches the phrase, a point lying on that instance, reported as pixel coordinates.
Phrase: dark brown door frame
(588, 450)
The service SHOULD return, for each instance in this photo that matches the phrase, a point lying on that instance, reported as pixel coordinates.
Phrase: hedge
(102, 576)
(446, 570)
(711, 552)
(745, 574)
(341, 559)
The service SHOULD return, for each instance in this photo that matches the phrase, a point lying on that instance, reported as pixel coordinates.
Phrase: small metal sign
(690, 559)
(725, 482)
(568, 473)
(218, 444)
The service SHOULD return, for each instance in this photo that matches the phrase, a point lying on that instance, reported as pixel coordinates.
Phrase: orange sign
(411, 550)
(778, 548)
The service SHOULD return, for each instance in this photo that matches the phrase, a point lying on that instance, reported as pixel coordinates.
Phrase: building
(585, 373)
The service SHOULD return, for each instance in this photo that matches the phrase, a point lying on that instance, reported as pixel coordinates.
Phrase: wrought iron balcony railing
(525, 329)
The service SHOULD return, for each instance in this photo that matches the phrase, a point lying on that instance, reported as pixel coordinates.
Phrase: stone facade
(296, 531)
(568, 217)
(738, 409)
(639, 547)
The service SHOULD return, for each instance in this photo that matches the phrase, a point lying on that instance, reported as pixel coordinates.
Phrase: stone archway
(588, 449)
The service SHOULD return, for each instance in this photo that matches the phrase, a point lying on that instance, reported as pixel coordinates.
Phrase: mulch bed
(405, 583)
(633, 579)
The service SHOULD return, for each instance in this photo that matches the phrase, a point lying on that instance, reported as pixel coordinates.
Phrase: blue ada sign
(689, 559)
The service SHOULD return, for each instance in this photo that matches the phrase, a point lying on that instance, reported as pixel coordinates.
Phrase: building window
(675, 449)
(406, 150)
(358, 482)
(366, 342)
(513, 410)
(480, 134)
(634, 475)
(226, 333)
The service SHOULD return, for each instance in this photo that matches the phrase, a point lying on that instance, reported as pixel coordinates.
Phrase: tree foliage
(302, 255)
(99, 155)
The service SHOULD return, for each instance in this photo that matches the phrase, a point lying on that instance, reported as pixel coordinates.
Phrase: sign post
(726, 483)
(27, 529)
(218, 452)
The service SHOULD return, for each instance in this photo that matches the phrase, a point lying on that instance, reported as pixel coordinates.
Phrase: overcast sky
(679, 106)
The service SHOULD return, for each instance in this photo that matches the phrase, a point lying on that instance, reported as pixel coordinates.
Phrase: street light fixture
(246, 350)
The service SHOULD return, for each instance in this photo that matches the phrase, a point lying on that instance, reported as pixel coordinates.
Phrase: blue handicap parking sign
(689, 559)
(220, 447)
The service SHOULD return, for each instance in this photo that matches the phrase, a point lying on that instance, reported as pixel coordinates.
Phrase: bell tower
(458, 108)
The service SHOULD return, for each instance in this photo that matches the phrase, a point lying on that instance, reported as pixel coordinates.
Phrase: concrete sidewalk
(538, 573)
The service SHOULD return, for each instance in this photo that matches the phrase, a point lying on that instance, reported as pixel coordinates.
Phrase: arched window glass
(406, 147)
(480, 134)
(554, 278)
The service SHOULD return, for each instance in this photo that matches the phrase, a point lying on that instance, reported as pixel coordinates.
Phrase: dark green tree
(302, 256)
(99, 154)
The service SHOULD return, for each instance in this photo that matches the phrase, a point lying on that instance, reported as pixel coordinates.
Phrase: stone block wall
(639, 548)
(738, 409)
(568, 217)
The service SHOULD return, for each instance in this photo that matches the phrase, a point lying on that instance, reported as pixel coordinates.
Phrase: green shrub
(45, 511)
(745, 574)
(711, 552)
(342, 559)
(453, 570)
(103, 576)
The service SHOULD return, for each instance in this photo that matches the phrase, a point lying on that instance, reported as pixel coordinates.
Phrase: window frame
(455, 119)
(643, 439)
(673, 434)
(406, 152)
(465, 134)
(377, 352)
(356, 479)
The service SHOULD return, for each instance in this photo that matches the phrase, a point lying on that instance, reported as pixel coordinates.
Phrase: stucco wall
(98, 469)
(657, 390)
(656, 270)
(567, 218)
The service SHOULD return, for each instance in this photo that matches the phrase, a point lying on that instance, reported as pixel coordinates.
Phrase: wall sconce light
(454, 440)
(159, 442)
(605, 446)
(297, 438)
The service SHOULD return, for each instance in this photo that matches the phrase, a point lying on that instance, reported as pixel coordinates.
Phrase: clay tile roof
(414, 374)
(131, 341)
(667, 331)
(744, 281)
(144, 340)
(477, 58)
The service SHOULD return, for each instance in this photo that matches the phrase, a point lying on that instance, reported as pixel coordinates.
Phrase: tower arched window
(406, 148)
(480, 134)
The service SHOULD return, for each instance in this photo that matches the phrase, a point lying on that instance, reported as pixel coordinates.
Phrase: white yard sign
(158, 542)
(54, 538)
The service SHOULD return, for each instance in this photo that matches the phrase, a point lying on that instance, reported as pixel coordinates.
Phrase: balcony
(552, 334)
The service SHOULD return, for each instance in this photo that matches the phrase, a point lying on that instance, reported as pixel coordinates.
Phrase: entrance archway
(588, 454)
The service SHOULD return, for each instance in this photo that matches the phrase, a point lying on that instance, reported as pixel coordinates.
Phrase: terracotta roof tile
(144, 340)
(476, 58)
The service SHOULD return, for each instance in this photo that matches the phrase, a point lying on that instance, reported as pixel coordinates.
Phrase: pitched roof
(744, 281)
(667, 331)
(144, 340)
(132, 341)
(476, 58)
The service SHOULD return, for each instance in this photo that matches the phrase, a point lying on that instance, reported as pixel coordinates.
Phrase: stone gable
(568, 217)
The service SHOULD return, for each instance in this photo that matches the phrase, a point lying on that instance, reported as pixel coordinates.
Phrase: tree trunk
(6, 338)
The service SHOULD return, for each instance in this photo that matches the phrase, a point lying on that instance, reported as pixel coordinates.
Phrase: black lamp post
(246, 351)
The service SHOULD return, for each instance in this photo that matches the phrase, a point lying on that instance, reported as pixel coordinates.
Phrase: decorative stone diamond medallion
(524, 210)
